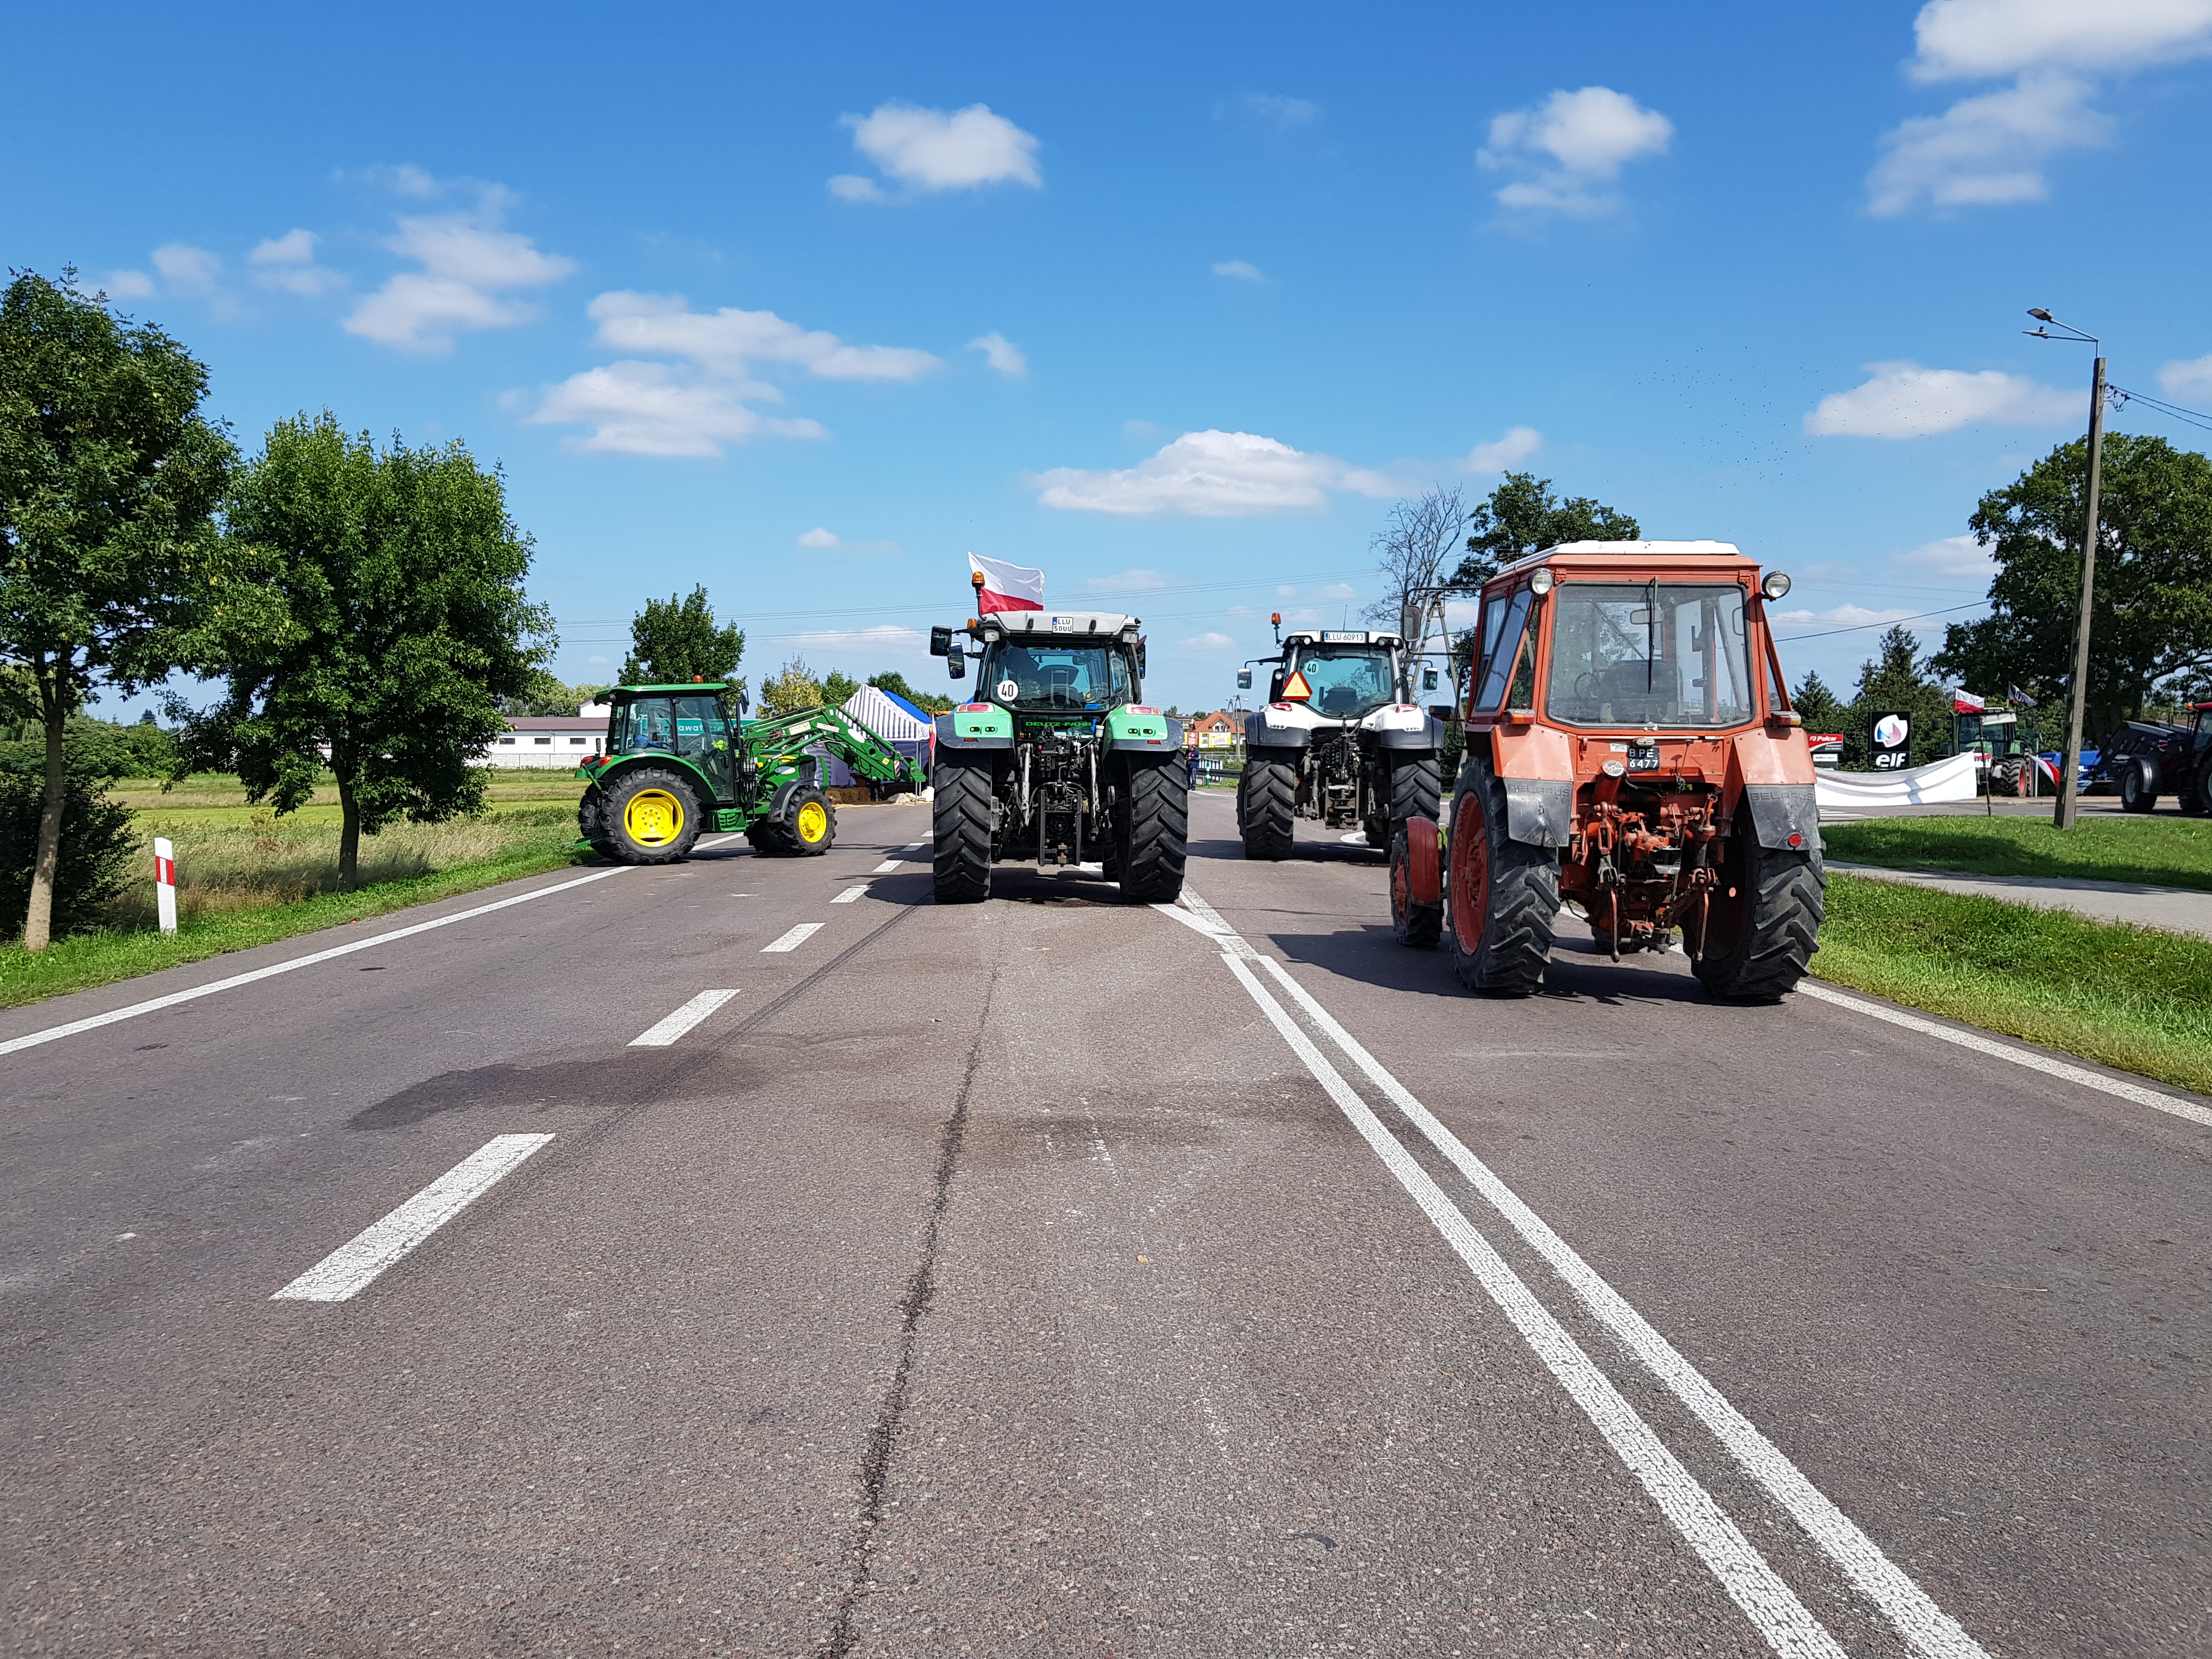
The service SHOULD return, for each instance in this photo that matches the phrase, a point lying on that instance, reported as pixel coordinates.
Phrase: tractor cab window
(1650, 653)
(670, 726)
(1059, 678)
(1345, 682)
(1504, 620)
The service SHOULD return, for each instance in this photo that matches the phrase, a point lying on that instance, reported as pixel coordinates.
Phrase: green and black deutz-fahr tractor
(682, 759)
(1058, 760)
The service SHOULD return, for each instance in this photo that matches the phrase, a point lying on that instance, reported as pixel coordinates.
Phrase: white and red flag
(1007, 586)
(1965, 702)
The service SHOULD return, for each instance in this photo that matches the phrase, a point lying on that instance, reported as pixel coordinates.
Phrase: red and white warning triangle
(1296, 688)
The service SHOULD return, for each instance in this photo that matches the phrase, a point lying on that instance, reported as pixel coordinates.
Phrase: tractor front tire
(1267, 802)
(960, 826)
(1763, 920)
(2136, 793)
(1152, 829)
(1417, 925)
(648, 816)
(1501, 896)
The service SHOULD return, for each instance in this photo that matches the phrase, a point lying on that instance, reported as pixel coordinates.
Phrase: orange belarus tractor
(1630, 748)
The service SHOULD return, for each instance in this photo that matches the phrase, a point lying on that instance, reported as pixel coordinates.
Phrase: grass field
(2133, 998)
(2159, 850)
(246, 876)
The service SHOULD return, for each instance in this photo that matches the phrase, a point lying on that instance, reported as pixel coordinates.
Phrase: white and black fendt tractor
(1341, 741)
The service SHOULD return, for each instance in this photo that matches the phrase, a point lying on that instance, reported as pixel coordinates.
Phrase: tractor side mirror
(1243, 679)
(956, 666)
(1141, 659)
(940, 642)
(1442, 711)
(1428, 680)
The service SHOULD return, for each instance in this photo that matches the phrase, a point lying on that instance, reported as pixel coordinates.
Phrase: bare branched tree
(1410, 552)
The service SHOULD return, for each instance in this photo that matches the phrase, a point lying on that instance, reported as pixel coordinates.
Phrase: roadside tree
(837, 686)
(1410, 551)
(109, 477)
(549, 695)
(790, 689)
(1896, 678)
(1820, 708)
(894, 683)
(388, 620)
(1524, 516)
(678, 641)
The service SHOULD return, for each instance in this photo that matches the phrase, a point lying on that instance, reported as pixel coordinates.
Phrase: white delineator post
(165, 882)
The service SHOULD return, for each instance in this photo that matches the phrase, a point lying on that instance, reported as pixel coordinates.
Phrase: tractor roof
(691, 688)
(1061, 624)
(1583, 555)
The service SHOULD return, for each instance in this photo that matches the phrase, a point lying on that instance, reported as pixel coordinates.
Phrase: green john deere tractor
(682, 760)
(1058, 761)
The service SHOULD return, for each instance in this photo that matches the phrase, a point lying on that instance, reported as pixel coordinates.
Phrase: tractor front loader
(1057, 760)
(682, 760)
(1630, 748)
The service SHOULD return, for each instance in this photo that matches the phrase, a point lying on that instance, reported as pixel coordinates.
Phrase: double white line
(1789, 1627)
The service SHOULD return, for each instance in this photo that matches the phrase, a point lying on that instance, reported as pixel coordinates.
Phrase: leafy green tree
(2151, 618)
(790, 689)
(1820, 708)
(836, 687)
(1524, 516)
(547, 694)
(1895, 678)
(99, 847)
(109, 478)
(95, 750)
(895, 683)
(389, 621)
(678, 641)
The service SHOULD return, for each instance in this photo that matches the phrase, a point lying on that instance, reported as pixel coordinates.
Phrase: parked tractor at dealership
(1340, 742)
(1630, 750)
(1057, 760)
(682, 759)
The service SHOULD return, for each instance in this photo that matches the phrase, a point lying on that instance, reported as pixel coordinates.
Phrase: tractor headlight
(1775, 585)
(1539, 582)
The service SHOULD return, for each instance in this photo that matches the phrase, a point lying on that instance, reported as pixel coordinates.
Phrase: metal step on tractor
(682, 760)
(1630, 750)
(1057, 760)
(1340, 742)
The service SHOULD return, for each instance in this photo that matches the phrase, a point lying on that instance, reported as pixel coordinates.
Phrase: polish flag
(1965, 702)
(1006, 587)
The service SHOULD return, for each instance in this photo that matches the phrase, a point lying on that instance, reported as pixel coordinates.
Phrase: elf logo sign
(1892, 740)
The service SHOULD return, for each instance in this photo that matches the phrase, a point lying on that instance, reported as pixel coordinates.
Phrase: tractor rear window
(1346, 682)
(1649, 654)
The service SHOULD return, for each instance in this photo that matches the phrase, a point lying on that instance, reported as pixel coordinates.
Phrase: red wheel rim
(1470, 876)
(1401, 884)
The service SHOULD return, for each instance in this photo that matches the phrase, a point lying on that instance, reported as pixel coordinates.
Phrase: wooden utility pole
(2069, 776)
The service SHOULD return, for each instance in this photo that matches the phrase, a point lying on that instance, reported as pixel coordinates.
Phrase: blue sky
(804, 303)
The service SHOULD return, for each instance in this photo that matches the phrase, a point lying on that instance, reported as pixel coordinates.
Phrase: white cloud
(1127, 581)
(1842, 616)
(1209, 642)
(128, 284)
(2187, 379)
(287, 262)
(640, 408)
(1904, 400)
(1242, 270)
(1001, 353)
(929, 149)
(828, 541)
(1209, 475)
(1333, 591)
(1984, 150)
(469, 267)
(1570, 147)
(1283, 111)
(186, 268)
(1979, 40)
(1518, 445)
(1952, 556)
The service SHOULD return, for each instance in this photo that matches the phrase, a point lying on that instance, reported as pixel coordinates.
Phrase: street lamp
(2069, 776)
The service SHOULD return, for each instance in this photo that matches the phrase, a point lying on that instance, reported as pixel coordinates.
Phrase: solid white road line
(1744, 1573)
(1930, 1630)
(797, 937)
(347, 1271)
(661, 1036)
(2035, 1061)
(236, 979)
(850, 894)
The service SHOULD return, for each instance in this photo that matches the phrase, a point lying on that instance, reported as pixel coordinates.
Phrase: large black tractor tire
(2136, 793)
(648, 816)
(1152, 830)
(1417, 925)
(1267, 802)
(960, 823)
(1764, 921)
(805, 828)
(1501, 896)
(1413, 789)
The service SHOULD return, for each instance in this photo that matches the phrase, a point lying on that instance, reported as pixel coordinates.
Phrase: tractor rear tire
(648, 816)
(1501, 896)
(1417, 925)
(806, 828)
(1764, 922)
(1151, 831)
(1414, 789)
(1266, 803)
(960, 825)
(2135, 793)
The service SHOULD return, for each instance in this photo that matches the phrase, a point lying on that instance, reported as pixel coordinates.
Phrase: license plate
(1643, 760)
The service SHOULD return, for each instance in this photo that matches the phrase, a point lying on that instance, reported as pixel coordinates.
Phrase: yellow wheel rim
(654, 817)
(814, 822)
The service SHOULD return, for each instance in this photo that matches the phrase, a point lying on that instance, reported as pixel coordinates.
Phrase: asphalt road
(1058, 1277)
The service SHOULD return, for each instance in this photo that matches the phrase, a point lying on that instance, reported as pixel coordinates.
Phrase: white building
(553, 740)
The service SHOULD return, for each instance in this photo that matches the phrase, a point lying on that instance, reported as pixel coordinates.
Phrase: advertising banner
(1889, 739)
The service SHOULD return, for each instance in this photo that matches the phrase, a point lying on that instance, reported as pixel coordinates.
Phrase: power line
(1887, 622)
(2122, 397)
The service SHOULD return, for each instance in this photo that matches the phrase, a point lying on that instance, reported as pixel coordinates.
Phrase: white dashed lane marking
(661, 1036)
(348, 1271)
(886, 867)
(797, 937)
(850, 894)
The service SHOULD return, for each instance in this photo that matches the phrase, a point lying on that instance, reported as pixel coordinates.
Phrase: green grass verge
(2160, 851)
(2129, 997)
(84, 960)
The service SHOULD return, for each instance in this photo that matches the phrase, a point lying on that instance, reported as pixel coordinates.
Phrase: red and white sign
(165, 884)
(1007, 586)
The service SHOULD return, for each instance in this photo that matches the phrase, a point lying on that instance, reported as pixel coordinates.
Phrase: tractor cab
(1341, 676)
(690, 722)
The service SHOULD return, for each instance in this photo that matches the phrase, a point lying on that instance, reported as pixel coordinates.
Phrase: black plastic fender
(1431, 736)
(1258, 734)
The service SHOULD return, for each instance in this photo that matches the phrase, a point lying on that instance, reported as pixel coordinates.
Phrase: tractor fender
(1785, 816)
(1538, 811)
(1262, 733)
(778, 804)
(607, 776)
(950, 741)
(1428, 735)
(1425, 860)
(2153, 781)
